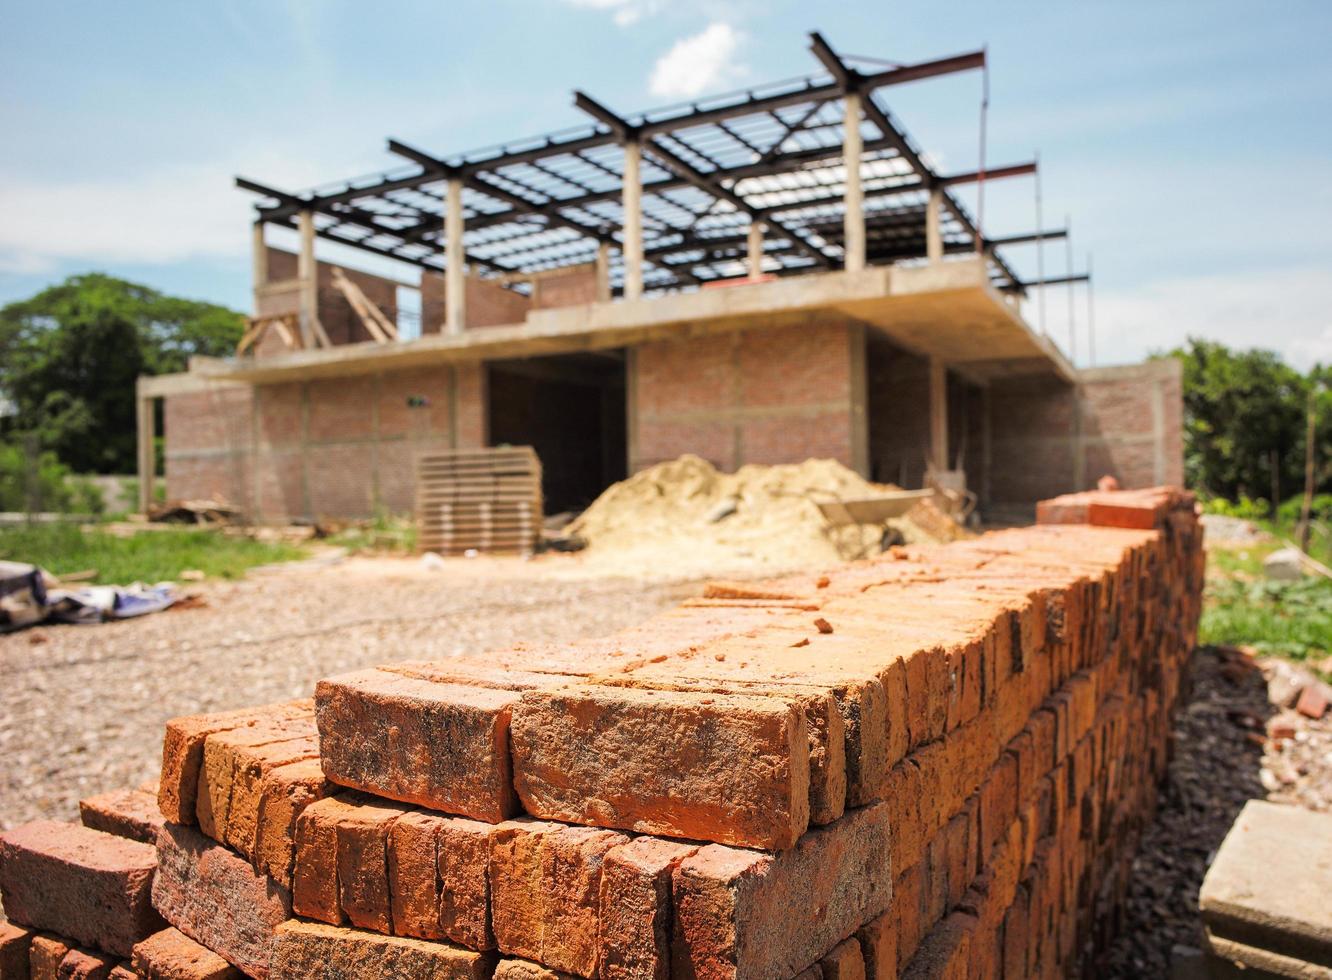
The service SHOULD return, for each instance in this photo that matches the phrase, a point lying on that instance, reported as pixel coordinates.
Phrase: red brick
(215, 897)
(510, 969)
(183, 751)
(545, 884)
(725, 768)
(743, 913)
(85, 964)
(91, 887)
(363, 833)
(284, 794)
(443, 746)
(845, 962)
(172, 955)
(634, 932)
(316, 951)
(45, 954)
(131, 813)
(14, 944)
(878, 945)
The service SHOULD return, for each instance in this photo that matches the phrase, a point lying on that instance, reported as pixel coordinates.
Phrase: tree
(70, 355)
(1244, 417)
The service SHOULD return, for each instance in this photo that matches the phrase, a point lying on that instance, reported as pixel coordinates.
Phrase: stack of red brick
(933, 764)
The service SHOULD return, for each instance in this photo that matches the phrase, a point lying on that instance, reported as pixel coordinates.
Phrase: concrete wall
(1050, 438)
(769, 396)
(342, 447)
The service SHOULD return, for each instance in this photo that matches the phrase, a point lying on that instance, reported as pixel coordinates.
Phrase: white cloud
(697, 63)
(1287, 310)
(623, 12)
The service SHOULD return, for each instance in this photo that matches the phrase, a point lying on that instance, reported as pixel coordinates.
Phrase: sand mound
(672, 512)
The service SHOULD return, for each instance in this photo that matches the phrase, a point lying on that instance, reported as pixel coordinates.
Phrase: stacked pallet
(479, 500)
(933, 764)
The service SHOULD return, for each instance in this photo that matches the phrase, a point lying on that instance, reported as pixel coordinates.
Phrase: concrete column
(307, 270)
(938, 414)
(633, 220)
(455, 268)
(147, 457)
(854, 228)
(933, 232)
(755, 259)
(259, 259)
(603, 293)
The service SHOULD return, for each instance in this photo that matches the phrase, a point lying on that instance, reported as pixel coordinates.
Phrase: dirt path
(82, 708)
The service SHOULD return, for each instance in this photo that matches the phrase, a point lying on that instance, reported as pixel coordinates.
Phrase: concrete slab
(1268, 891)
(947, 309)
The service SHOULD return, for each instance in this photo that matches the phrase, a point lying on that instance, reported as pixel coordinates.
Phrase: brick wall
(760, 396)
(329, 448)
(340, 321)
(487, 304)
(1050, 438)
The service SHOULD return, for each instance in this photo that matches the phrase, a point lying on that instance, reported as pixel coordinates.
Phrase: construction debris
(915, 788)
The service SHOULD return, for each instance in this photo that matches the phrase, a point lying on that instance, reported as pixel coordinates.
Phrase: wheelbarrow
(840, 513)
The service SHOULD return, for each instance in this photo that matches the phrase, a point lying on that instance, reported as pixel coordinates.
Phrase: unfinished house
(758, 278)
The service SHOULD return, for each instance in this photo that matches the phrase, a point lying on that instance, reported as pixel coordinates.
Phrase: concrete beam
(852, 146)
(603, 286)
(633, 220)
(144, 413)
(455, 262)
(259, 259)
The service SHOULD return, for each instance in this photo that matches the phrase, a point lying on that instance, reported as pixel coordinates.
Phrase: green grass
(150, 556)
(384, 533)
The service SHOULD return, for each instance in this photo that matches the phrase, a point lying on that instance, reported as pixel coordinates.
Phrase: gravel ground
(1222, 758)
(82, 707)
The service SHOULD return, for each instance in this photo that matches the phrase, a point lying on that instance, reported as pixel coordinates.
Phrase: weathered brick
(363, 877)
(878, 946)
(91, 887)
(725, 768)
(442, 746)
(286, 792)
(183, 751)
(131, 813)
(545, 883)
(844, 962)
(172, 955)
(86, 964)
(438, 878)
(743, 913)
(316, 951)
(511, 969)
(634, 932)
(14, 944)
(45, 954)
(213, 896)
(232, 773)
(314, 880)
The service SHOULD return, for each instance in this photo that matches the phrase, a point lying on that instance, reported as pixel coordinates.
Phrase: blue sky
(1191, 142)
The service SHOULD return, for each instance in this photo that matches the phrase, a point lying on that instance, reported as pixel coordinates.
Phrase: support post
(603, 290)
(938, 415)
(933, 232)
(307, 270)
(854, 223)
(455, 269)
(633, 220)
(147, 457)
(259, 261)
(755, 258)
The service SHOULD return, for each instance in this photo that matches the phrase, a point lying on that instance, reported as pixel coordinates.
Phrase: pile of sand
(671, 513)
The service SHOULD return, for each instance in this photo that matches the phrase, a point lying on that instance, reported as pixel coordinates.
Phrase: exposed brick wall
(1050, 438)
(340, 321)
(486, 304)
(759, 396)
(322, 449)
(573, 288)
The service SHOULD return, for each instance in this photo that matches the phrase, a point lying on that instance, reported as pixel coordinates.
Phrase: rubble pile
(934, 763)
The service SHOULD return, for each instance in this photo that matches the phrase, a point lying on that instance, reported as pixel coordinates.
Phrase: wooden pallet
(482, 500)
